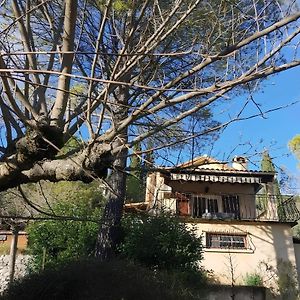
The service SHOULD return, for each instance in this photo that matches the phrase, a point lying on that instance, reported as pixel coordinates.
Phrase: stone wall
(20, 269)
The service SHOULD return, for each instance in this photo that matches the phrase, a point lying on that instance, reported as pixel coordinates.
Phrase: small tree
(267, 165)
(161, 242)
(135, 187)
(54, 242)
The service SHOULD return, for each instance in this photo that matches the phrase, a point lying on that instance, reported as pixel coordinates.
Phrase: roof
(204, 160)
(208, 163)
(205, 168)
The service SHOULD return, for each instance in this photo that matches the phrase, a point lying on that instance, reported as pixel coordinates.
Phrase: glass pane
(225, 241)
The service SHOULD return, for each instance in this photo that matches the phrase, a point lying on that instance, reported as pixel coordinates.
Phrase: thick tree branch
(60, 105)
(93, 162)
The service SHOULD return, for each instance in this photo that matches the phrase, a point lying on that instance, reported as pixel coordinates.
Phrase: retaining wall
(20, 269)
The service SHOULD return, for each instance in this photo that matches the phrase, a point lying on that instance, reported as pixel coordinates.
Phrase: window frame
(231, 204)
(220, 241)
(203, 204)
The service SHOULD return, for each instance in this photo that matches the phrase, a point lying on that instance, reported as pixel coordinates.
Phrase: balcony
(282, 207)
(233, 207)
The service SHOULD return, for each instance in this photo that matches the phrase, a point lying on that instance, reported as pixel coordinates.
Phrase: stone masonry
(20, 269)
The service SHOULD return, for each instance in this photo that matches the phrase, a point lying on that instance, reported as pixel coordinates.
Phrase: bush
(161, 242)
(253, 279)
(64, 240)
(93, 280)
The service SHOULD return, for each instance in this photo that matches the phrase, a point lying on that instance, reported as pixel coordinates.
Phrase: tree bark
(110, 230)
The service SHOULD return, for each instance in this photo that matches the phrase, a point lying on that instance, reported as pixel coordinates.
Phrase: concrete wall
(20, 270)
(269, 247)
(237, 293)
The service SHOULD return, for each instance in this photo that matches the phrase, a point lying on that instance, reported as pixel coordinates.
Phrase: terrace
(232, 207)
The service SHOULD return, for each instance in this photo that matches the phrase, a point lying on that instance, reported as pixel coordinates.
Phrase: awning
(215, 178)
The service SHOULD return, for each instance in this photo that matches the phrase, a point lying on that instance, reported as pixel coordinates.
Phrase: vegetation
(267, 165)
(135, 185)
(294, 145)
(94, 280)
(287, 280)
(253, 279)
(72, 232)
(122, 72)
(163, 243)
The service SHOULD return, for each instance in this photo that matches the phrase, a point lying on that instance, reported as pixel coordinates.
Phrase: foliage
(253, 279)
(161, 242)
(135, 185)
(294, 145)
(132, 68)
(287, 281)
(96, 280)
(296, 229)
(138, 69)
(267, 165)
(65, 240)
(71, 145)
(281, 279)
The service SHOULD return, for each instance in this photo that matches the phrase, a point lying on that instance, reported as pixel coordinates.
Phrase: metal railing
(263, 207)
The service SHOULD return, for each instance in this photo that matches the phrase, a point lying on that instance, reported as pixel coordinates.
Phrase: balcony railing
(288, 210)
(263, 207)
(282, 206)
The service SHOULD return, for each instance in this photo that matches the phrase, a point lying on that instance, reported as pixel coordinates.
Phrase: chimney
(239, 163)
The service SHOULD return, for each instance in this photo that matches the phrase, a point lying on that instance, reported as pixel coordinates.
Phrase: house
(6, 237)
(246, 229)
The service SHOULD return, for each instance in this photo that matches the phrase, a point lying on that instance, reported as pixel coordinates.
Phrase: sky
(272, 132)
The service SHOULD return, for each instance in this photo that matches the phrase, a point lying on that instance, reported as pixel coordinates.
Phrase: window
(3, 237)
(225, 241)
(231, 204)
(182, 203)
(203, 205)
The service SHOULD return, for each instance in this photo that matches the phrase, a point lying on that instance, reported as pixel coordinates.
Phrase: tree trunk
(109, 232)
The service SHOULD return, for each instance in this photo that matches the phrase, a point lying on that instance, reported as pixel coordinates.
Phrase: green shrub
(253, 279)
(94, 280)
(161, 242)
(64, 240)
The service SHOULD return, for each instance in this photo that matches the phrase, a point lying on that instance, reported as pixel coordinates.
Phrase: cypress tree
(267, 165)
(135, 191)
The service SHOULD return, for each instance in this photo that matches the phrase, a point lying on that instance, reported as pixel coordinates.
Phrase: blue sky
(272, 132)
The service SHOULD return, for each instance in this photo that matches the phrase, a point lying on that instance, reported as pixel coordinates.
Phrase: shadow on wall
(283, 273)
(277, 266)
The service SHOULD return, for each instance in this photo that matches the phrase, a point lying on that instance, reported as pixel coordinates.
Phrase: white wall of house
(269, 250)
